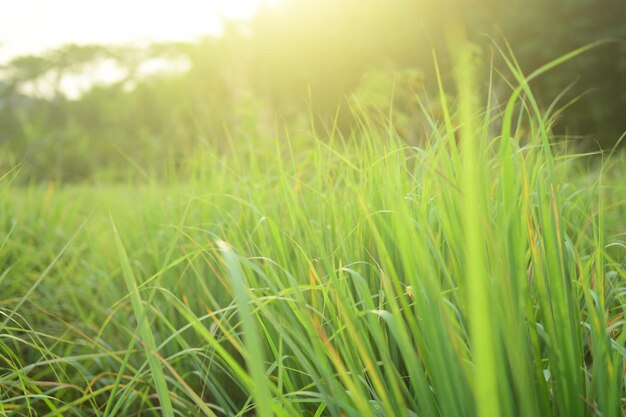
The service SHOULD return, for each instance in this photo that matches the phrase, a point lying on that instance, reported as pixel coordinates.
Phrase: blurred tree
(299, 59)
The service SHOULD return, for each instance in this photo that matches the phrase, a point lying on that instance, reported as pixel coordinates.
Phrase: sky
(31, 26)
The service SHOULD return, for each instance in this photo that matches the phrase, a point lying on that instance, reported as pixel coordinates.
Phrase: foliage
(300, 59)
(478, 274)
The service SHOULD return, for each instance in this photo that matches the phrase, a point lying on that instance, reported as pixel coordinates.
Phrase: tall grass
(480, 274)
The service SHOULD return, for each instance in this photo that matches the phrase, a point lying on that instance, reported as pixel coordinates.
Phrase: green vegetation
(312, 273)
(302, 57)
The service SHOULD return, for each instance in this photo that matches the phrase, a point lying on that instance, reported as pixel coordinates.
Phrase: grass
(479, 274)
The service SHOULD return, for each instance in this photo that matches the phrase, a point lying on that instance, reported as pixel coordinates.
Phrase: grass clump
(480, 274)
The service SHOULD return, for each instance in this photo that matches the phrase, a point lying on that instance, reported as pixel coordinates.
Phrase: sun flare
(115, 21)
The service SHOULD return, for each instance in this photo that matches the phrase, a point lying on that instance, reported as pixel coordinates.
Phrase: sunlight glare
(115, 21)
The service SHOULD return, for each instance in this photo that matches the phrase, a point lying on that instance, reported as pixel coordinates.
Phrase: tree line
(299, 62)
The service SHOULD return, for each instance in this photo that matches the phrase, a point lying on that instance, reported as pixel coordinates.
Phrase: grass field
(478, 274)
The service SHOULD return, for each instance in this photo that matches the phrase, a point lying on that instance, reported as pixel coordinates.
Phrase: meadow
(479, 273)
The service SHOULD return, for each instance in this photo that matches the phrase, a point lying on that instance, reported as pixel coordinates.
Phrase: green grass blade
(145, 332)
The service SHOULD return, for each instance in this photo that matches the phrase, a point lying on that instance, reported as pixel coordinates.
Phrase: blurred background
(89, 88)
